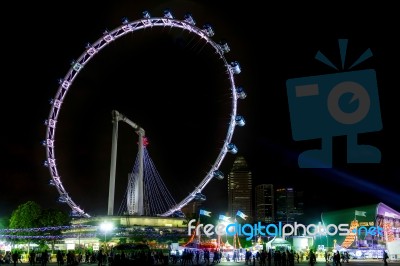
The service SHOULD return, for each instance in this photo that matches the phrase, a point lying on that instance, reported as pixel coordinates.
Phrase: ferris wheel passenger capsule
(62, 199)
(178, 214)
(52, 183)
(208, 30)
(241, 94)
(232, 148)
(235, 67)
(240, 120)
(224, 47)
(146, 14)
(124, 20)
(218, 175)
(168, 14)
(200, 197)
(189, 19)
(75, 213)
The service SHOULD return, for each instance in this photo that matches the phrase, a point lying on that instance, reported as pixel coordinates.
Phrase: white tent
(278, 243)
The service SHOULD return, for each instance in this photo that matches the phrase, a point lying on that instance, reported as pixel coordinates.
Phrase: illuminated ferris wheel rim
(108, 37)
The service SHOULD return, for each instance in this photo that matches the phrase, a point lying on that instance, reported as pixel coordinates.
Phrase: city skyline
(173, 86)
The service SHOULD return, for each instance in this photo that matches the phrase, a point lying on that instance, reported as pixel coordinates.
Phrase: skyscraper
(289, 205)
(265, 203)
(192, 209)
(240, 189)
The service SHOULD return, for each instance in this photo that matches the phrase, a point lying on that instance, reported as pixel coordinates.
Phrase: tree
(4, 222)
(26, 216)
(53, 217)
(33, 218)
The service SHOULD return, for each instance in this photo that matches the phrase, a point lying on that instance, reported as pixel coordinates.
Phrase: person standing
(44, 257)
(312, 258)
(60, 258)
(385, 257)
(15, 257)
(100, 258)
(32, 258)
(336, 259)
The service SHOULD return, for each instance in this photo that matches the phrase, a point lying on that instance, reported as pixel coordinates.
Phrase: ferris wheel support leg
(111, 192)
(139, 196)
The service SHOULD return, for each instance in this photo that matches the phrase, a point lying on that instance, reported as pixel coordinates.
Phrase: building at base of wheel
(155, 230)
(373, 229)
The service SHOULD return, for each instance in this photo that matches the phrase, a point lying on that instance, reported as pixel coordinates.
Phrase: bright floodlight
(106, 227)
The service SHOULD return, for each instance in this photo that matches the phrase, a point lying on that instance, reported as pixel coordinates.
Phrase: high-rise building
(240, 189)
(192, 209)
(299, 204)
(289, 205)
(265, 203)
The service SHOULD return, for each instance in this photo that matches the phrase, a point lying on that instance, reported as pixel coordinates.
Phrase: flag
(206, 213)
(241, 215)
(360, 213)
(224, 218)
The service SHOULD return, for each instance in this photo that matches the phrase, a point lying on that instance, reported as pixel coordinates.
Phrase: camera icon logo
(338, 104)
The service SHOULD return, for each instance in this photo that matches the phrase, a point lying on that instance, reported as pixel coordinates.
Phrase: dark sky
(175, 87)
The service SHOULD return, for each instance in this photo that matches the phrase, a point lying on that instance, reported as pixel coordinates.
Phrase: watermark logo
(296, 229)
(339, 104)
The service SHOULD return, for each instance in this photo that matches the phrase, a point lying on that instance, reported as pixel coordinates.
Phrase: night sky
(174, 86)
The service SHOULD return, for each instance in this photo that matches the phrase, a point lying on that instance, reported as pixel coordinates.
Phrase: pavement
(373, 262)
(351, 263)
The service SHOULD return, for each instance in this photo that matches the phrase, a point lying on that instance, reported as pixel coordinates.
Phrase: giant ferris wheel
(167, 20)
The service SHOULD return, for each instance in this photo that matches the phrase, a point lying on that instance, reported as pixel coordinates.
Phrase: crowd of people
(187, 257)
(34, 258)
(262, 257)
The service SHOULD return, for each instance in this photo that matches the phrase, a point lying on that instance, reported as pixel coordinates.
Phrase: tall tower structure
(265, 203)
(192, 208)
(135, 200)
(240, 189)
(289, 205)
(284, 204)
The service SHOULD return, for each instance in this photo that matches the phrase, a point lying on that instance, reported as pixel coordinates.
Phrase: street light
(106, 227)
(221, 227)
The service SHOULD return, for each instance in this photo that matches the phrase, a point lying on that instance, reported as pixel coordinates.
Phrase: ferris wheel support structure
(138, 200)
